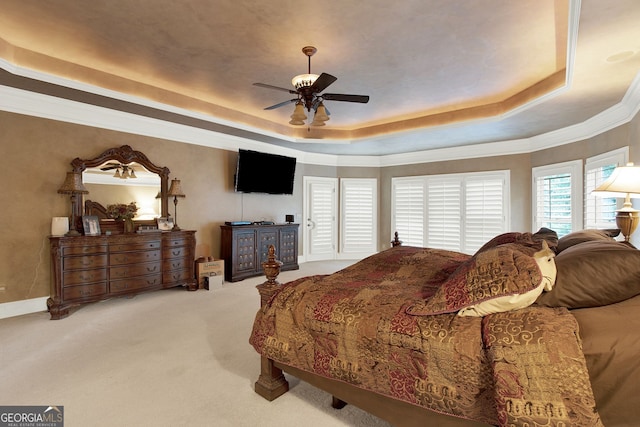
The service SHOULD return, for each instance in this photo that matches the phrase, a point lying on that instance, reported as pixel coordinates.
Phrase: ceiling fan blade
(282, 104)
(347, 98)
(275, 87)
(110, 166)
(322, 82)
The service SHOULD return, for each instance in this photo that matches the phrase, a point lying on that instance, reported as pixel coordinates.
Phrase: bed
(531, 330)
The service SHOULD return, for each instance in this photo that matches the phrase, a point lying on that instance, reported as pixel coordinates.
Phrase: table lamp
(175, 191)
(73, 185)
(624, 182)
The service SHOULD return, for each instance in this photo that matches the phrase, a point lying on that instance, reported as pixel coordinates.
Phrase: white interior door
(320, 228)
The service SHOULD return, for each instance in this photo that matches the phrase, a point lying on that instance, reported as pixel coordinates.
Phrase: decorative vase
(129, 226)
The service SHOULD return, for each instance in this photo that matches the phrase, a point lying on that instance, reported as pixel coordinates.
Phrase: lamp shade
(321, 113)
(321, 116)
(624, 180)
(72, 184)
(298, 117)
(176, 189)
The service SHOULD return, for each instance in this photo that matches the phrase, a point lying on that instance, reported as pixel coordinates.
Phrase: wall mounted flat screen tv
(264, 173)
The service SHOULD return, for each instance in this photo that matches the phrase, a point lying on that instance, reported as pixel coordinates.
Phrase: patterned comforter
(519, 368)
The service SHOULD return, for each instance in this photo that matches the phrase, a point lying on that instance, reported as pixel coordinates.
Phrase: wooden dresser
(245, 247)
(93, 268)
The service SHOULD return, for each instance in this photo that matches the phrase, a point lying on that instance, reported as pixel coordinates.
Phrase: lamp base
(627, 220)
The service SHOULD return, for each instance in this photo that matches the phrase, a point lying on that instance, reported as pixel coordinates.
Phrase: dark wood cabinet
(245, 248)
(92, 268)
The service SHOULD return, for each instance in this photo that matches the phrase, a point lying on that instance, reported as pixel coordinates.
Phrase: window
(557, 197)
(444, 213)
(408, 210)
(600, 212)
(457, 212)
(358, 204)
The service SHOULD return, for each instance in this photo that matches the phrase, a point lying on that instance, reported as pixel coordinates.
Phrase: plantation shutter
(359, 220)
(408, 210)
(321, 238)
(599, 211)
(458, 212)
(444, 213)
(484, 211)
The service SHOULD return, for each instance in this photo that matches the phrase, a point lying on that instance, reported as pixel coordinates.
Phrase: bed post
(396, 241)
(271, 382)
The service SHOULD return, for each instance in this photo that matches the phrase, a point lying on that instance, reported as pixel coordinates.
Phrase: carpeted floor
(166, 358)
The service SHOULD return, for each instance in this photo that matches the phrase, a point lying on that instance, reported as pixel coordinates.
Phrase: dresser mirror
(123, 175)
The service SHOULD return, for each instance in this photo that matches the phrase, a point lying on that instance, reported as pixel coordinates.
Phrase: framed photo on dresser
(91, 225)
(165, 223)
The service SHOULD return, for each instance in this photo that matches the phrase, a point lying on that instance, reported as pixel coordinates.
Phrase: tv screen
(264, 173)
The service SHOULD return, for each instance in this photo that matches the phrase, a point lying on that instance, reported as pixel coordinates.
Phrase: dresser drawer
(79, 277)
(133, 257)
(176, 264)
(125, 285)
(178, 252)
(82, 262)
(133, 270)
(178, 276)
(84, 291)
(173, 242)
(141, 246)
(82, 250)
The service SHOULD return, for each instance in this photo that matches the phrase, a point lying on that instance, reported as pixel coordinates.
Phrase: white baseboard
(27, 306)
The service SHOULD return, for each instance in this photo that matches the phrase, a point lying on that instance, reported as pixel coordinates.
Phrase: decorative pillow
(550, 236)
(498, 273)
(577, 237)
(526, 240)
(594, 273)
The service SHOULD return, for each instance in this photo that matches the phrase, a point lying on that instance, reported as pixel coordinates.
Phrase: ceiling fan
(127, 170)
(308, 88)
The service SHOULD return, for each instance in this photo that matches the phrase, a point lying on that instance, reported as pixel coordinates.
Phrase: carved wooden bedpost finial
(271, 382)
(271, 269)
(396, 242)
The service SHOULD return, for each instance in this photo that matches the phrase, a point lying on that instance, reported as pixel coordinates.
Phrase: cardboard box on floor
(213, 270)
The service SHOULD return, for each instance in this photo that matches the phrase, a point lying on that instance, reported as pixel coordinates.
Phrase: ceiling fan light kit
(308, 88)
(302, 80)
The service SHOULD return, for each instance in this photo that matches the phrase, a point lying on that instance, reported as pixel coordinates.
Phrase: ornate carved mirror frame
(125, 155)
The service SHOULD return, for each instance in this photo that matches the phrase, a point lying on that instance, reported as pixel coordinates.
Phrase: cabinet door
(244, 242)
(289, 246)
(266, 237)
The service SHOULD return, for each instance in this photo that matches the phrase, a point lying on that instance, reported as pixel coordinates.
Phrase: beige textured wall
(37, 154)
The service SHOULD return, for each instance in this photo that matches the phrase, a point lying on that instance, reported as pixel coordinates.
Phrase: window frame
(463, 180)
(618, 157)
(574, 169)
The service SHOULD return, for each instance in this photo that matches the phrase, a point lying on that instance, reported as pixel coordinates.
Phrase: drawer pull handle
(176, 253)
(154, 268)
(86, 292)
